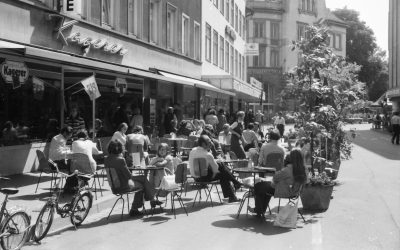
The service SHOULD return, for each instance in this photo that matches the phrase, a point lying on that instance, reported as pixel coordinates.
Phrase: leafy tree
(327, 87)
(361, 48)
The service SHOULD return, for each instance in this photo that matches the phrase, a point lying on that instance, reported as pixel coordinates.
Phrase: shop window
(155, 11)
(171, 27)
(208, 42)
(227, 56)
(215, 48)
(221, 52)
(197, 41)
(185, 35)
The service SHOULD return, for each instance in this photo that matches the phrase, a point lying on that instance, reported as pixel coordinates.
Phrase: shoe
(135, 213)
(238, 185)
(235, 199)
(155, 203)
(251, 209)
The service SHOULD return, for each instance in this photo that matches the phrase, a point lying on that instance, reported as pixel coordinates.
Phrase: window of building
(215, 3)
(232, 20)
(240, 23)
(244, 27)
(240, 65)
(274, 33)
(259, 29)
(227, 10)
(236, 18)
(307, 5)
(215, 47)
(232, 60)
(135, 12)
(337, 41)
(244, 68)
(227, 56)
(301, 31)
(236, 64)
(197, 41)
(155, 10)
(171, 27)
(274, 58)
(222, 7)
(91, 11)
(185, 35)
(221, 51)
(208, 42)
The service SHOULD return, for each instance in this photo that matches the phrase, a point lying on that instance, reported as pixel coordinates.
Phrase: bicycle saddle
(8, 190)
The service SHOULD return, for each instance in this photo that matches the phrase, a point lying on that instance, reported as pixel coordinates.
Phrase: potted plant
(316, 195)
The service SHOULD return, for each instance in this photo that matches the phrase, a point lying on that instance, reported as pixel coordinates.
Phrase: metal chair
(81, 163)
(115, 184)
(48, 167)
(293, 198)
(201, 169)
(275, 160)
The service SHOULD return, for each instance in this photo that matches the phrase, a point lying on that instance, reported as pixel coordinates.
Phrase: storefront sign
(91, 88)
(97, 43)
(120, 86)
(15, 73)
(255, 83)
(252, 49)
(230, 32)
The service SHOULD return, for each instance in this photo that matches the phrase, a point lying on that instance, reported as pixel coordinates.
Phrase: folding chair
(201, 169)
(115, 184)
(292, 199)
(81, 163)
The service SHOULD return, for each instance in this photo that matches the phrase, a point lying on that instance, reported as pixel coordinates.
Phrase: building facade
(273, 25)
(223, 57)
(394, 54)
(143, 54)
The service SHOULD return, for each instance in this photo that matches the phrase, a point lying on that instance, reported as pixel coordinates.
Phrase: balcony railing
(266, 5)
(267, 41)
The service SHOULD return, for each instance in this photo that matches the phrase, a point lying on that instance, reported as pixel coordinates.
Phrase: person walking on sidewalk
(280, 124)
(396, 127)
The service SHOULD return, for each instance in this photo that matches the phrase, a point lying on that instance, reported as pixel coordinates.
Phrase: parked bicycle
(77, 209)
(15, 225)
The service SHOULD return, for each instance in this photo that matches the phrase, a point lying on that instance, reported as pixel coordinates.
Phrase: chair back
(274, 160)
(181, 173)
(81, 163)
(135, 152)
(44, 164)
(113, 179)
(200, 167)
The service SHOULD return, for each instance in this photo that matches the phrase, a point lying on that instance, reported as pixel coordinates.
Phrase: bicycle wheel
(43, 222)
(81, 208)
(15, 231)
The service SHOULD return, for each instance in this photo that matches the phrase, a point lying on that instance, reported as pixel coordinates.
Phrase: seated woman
(285, 183)
(224, 138)
(250, 137)
(127, 182)
(120, 134)
(185, 129)
(87, 147)
(163, 159)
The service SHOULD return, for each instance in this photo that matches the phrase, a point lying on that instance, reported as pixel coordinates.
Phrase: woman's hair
(299, 171)
(250, 126)
(115, 147)
(122, 125)
(212, 112)
(137, 129)
(162, 145)
(82, 134)
(240, 114)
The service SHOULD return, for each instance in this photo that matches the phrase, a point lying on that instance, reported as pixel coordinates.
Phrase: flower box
(316, 197)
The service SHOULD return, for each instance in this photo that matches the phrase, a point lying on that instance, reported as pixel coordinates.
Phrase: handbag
(287, 216)
(168, 182)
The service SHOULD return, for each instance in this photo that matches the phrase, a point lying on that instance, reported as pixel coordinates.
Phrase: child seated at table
(163, 159)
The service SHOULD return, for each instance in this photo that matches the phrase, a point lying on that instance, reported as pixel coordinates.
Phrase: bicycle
(15, 225)
(77, 209)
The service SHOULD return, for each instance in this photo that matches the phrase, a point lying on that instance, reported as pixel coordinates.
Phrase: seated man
(215, 147)
(84, 146)
(135, 138)
(126, 181)
(270, 147)
(215, 171)
(59, 152)
(250, 137)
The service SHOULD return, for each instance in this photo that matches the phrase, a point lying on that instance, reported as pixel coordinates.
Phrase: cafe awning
(12, 46)
(197, 83)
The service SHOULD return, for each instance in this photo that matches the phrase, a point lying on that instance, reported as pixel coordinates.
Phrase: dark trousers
(225, 178)
(396, 133)
(281, 129)
(263, 191)
(148, 191)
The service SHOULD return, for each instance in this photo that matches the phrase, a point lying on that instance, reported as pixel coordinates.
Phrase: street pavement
(363, 214)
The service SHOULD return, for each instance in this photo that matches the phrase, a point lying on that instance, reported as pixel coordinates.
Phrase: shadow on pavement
(378, 142)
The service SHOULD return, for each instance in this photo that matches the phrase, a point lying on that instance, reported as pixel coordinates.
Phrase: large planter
(316, 198)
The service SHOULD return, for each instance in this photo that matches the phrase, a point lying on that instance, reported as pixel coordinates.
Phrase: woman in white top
(87, 147)
(120, 134)
(280, 124)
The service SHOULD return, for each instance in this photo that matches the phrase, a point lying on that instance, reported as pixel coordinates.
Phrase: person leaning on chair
(285, 183)
(128, 182)
(215, 171)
